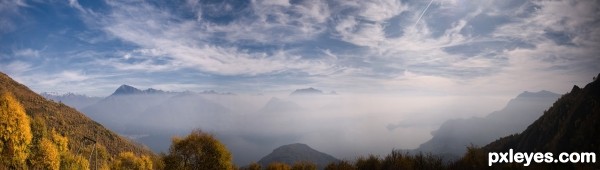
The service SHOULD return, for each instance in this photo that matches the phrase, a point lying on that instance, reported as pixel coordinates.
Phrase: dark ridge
(570, 125)
(297, 152)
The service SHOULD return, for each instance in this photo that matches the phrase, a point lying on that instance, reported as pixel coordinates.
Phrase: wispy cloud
(9, 10)
(27, 52)
(15, 67)
(323, 43)
(185, 43)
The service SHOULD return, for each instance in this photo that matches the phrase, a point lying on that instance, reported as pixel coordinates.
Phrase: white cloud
(376, 11)
(273, 29)
(186, 44)
(64, 77)
(362, 34)
(8, 9)
(27, 52)
(75, 4)
(15, 67)
(275, 23)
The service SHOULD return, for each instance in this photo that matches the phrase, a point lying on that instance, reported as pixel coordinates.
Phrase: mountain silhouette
(453, 136)
(307, 91)
(127, 104)
(153, 116)
(129, 90)
(570, 125)
(297, 152)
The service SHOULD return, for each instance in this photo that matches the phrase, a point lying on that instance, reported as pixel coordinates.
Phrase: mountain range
(153, 116)
(77, 101)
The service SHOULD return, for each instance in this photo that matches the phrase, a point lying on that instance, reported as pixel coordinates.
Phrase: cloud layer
(445, 46)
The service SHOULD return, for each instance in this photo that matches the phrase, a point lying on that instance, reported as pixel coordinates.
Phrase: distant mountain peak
(306, 91)
(542, 93)
(296, 152)
(293, 147)
(128, 90)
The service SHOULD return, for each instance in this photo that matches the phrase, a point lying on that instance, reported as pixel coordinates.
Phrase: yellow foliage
(147, 161)
(49, 156)
(128, 161)
(38, 128)
(62, 142)
(102, 158)
(70, 161)
(304, 165)
(15, 132)
(198, 150)
(278, 166)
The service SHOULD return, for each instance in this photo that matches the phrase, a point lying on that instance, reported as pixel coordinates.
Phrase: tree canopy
(198, 150)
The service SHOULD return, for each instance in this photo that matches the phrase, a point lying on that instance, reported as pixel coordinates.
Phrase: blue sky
(457, 47)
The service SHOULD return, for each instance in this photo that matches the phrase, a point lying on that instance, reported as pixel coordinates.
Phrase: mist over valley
(344, 125)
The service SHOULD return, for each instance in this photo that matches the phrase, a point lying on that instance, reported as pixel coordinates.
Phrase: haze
(344, 125)
(399, 68)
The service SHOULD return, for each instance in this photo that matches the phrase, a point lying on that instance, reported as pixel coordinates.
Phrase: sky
(438, 47)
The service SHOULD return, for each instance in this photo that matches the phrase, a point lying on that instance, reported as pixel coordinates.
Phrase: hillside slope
(68, 121)
(572, 124)
(453, 136)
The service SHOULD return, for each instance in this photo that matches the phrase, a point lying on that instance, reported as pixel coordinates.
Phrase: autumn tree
(278, 166)
(198, 150)
(304, 165)
(15, 132)
(128, 161)
(102, 159)
(47, 157)
(71, 161)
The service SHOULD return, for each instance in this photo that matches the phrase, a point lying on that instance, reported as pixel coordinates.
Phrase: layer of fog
(344, 125)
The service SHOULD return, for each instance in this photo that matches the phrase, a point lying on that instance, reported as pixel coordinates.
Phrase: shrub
(340, 165)
(128, 161)
(304, 165)
(278, 166)
(198, 150)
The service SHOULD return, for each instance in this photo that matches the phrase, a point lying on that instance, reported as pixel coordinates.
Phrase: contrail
(423, 13)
